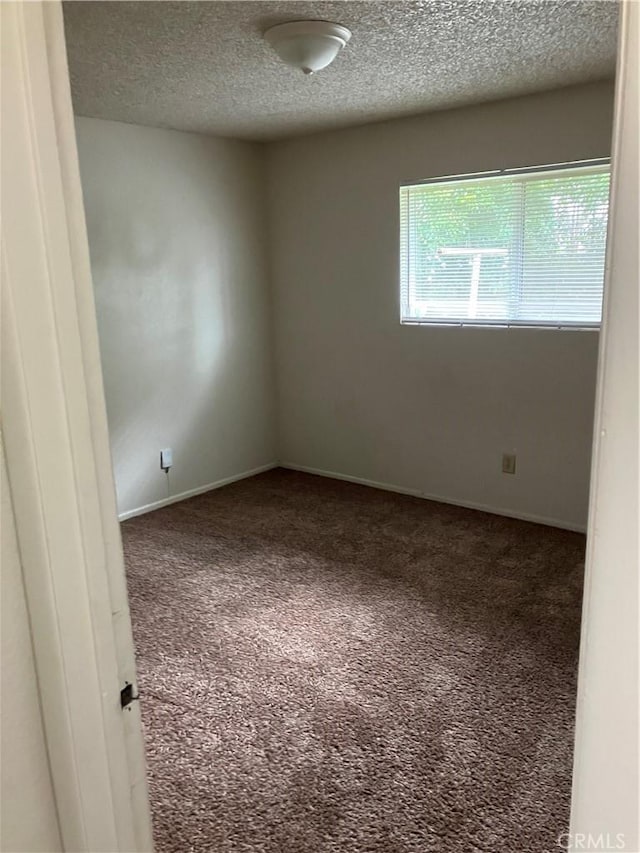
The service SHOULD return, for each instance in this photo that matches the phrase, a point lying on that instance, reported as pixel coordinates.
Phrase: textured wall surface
(425, 409)
(28, 820)
(176, 235)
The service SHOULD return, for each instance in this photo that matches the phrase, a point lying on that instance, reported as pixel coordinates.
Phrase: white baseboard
(361, 481)
(193, 492)
(388, 487)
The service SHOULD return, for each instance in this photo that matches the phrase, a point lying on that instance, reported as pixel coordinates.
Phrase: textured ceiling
(203, 66)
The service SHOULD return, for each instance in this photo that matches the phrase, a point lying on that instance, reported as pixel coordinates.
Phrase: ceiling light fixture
(308, 45)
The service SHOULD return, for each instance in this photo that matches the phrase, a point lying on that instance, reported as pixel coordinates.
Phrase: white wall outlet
(166, 458)
(508, 463)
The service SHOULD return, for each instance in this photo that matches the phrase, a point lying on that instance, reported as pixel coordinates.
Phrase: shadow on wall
(176, 235)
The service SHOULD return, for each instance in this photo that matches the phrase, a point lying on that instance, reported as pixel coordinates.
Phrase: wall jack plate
(166, 458)
(508, 463)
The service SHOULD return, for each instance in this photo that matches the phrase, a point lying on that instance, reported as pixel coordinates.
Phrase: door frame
(61, 481)
(606, 788)
(57, 449)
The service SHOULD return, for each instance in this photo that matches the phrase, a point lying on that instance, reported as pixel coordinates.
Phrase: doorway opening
(326, 664)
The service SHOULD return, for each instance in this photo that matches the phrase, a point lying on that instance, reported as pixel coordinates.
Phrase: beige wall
(429, 410)
(28, 820)
(179, 234)
(176, 226)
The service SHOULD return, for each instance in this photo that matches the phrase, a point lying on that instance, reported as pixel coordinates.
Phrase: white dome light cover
(308, 45)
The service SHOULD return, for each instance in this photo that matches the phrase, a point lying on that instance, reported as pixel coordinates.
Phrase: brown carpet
(328, 668)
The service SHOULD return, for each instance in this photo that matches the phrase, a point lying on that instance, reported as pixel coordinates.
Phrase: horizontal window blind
(506, 249)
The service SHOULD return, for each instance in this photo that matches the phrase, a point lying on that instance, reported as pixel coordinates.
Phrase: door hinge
(126, 695)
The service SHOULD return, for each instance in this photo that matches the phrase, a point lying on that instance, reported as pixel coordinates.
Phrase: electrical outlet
(166, 458)
(508, 463)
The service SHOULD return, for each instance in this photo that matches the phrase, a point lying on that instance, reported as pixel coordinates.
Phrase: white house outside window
(511, 248)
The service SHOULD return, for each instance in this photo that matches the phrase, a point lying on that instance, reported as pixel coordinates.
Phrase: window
(515, 248)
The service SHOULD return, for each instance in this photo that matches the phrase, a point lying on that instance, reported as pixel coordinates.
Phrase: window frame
(488, 175)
